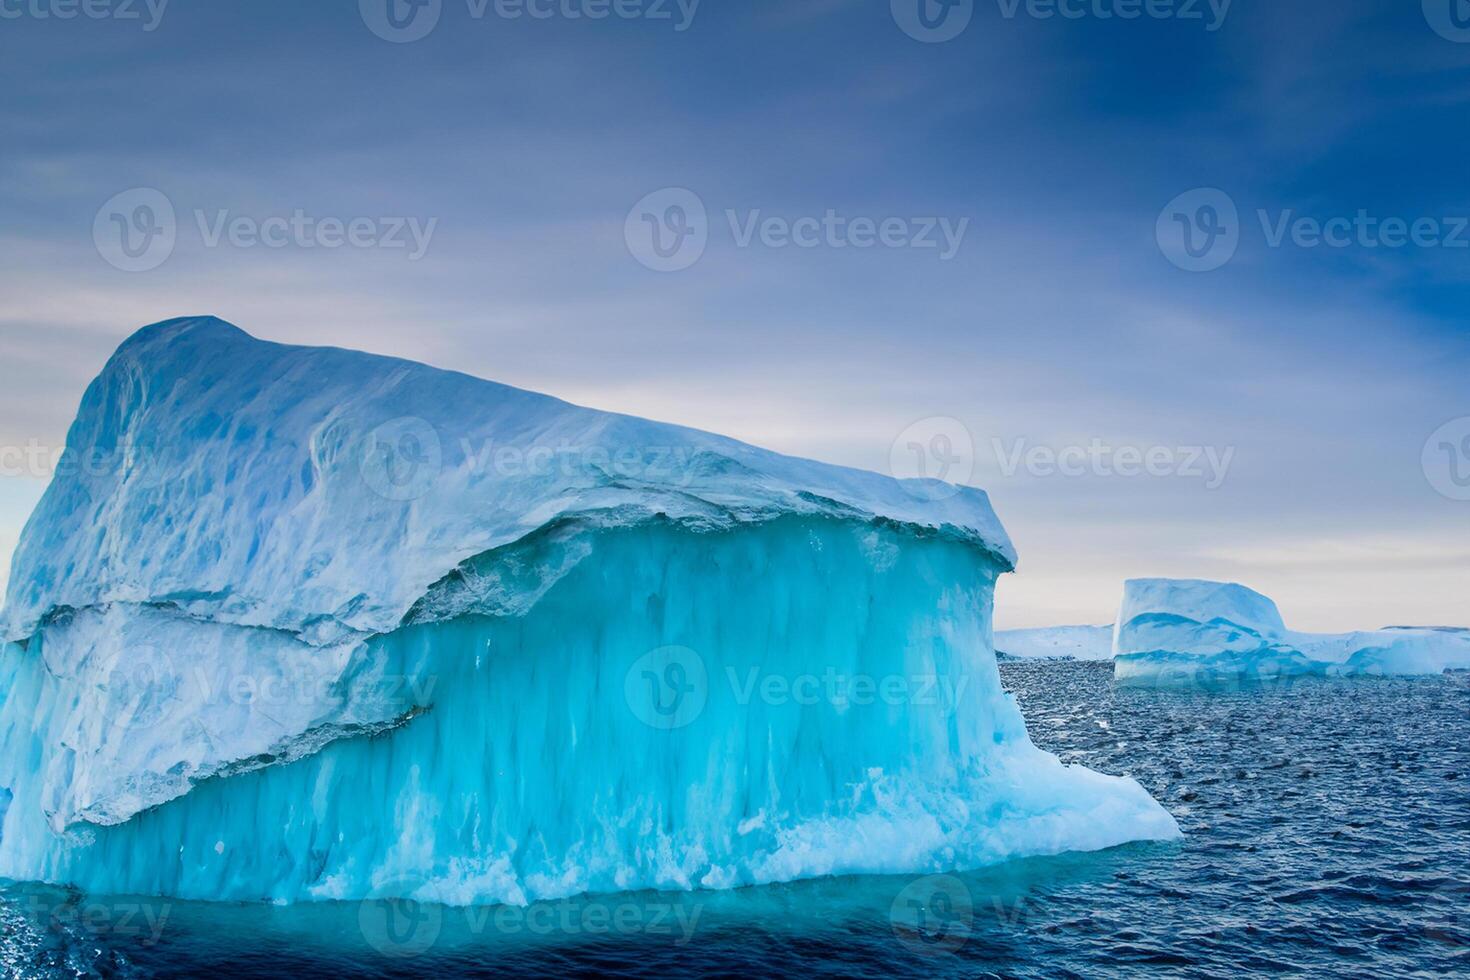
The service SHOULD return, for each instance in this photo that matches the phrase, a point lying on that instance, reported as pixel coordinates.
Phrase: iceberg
(297, 624)
(1190, 632)
(1056, 643)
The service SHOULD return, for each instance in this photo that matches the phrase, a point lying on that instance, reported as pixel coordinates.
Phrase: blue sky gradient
(1060, 321)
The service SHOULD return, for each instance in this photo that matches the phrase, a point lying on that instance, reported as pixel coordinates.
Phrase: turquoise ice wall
(680, 710)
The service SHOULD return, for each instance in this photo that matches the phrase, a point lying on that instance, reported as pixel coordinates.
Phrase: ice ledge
(323, 492)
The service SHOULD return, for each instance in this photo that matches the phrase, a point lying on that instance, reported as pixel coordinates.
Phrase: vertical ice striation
(312, 624)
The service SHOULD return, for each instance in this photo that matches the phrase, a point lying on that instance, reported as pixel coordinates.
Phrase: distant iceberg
(1056, 642)
(297, 624)
(1182, 631)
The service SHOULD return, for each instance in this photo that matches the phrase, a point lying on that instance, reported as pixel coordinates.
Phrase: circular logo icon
(938, 449)
(144, 690)
(1199, 230)
(668, 230)
(402, 919)
(136, 231)
(1446, 459)
(1449, 18)
(667, 688)
(401, 459)
(933, 915)
(933, 21)
(401, 21)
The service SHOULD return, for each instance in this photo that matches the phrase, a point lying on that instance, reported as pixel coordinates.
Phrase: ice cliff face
(1183, 631)
(300, 623)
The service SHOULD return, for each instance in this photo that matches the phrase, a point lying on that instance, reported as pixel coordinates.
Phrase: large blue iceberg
(297, 624)
(1173, 632)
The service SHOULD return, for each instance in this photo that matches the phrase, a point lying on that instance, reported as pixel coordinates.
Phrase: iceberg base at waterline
(679, 710)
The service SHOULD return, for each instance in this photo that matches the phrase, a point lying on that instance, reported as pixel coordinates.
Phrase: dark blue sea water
(1327, 834)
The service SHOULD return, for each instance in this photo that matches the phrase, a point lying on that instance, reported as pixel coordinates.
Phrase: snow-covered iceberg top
(1056, 642)
(1193, 631)
(299, 624)
(322, 492)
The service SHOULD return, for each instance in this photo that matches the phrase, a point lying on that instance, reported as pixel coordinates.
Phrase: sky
(1182, 285)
